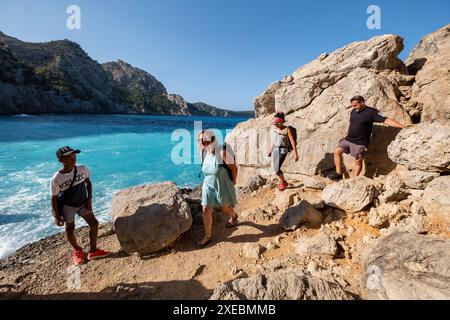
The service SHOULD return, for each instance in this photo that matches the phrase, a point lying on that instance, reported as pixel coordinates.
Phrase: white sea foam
(7, 248)
(23, 115)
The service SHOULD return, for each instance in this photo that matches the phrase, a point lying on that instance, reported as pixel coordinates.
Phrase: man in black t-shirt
(357, 140)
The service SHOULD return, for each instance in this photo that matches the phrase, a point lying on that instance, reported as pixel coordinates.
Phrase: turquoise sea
(120, 150)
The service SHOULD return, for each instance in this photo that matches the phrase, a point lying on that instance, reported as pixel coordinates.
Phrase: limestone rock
(265, 103)
(417, 208)
(253, 183)
(271, 246)
(384, 215)
(423, 147)
(436, 199)
(405, 266)
(416, 224)
(148, 218)
(252, 250)
(316, 99)
(316, 182)
(256, 214)
(320, 244)
(309, 81)
(430, 62)
(351, 230)
(285, 199)
(351, 195)
(292, 284)
(394, 190)
(417, 179)
(303, 213)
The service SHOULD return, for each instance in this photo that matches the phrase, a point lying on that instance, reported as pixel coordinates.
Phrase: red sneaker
(78, 257)
(282, 186)
(98, 254)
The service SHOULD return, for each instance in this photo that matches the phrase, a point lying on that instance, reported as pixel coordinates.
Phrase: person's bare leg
(338, 160)
(93, 230)
(70, 236)
(207, 223)
(358, 166)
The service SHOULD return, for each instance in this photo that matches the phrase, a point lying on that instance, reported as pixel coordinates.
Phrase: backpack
(294, 135)
(230, 172)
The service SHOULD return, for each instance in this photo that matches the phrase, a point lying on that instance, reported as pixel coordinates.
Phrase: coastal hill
(59, 77)
(383, 235)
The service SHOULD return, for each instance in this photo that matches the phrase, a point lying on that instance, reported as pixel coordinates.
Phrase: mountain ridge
(59, 77)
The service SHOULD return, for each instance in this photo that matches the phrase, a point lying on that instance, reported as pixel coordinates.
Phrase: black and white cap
(65, 151)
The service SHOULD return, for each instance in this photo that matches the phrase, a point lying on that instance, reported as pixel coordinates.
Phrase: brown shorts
(355, 150)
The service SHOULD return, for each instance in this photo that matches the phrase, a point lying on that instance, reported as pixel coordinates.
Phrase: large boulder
(436, 199)
(430, 62)
(423, 147)
(406, 266)
(308, 82)
(291, 284)
(303, 213)
(351, 195)
(148, 218)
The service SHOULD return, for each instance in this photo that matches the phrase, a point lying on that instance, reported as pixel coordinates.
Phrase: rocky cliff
(59, 77)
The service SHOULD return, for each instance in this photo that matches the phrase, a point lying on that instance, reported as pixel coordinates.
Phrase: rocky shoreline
(277, 252)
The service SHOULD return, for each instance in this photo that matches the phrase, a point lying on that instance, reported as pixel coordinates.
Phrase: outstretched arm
(393, 123)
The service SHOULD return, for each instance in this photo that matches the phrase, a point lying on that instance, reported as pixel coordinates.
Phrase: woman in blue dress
(218, 189)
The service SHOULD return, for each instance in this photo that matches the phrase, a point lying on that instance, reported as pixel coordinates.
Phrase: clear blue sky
(222, 52)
